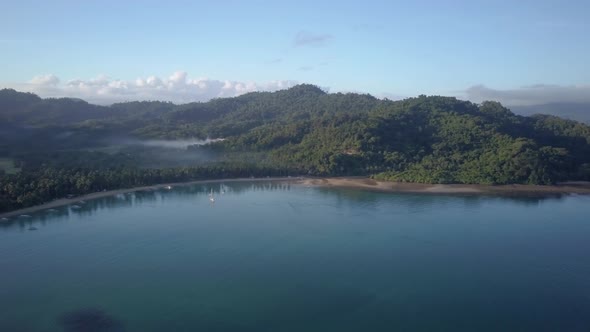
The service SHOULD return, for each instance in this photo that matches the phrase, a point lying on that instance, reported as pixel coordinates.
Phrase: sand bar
(577, 187)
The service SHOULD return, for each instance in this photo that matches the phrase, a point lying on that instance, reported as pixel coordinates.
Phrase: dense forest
(67, 146)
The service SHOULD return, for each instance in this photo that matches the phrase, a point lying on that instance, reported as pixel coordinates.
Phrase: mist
(174, 144)
(155, 153)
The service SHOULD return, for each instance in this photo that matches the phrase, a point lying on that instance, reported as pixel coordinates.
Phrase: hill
(302, 130)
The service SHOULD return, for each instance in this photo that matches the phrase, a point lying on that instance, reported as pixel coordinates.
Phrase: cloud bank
(531, 95)
(178, 88)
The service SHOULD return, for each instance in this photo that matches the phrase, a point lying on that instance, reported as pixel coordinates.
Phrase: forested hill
(304, 130)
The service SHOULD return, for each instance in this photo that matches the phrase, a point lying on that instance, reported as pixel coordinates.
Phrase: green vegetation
(7, 166)
(45, 184)
(62, 144)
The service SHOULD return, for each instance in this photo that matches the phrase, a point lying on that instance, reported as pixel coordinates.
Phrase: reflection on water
(415, 202)
(145, 197)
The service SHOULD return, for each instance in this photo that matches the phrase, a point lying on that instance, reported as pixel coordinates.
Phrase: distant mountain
(19, 108)
(28, 109)
(573, 111)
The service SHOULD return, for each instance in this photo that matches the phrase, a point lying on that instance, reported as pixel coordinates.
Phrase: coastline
(572, 187)
(67, 201)
(360, 183)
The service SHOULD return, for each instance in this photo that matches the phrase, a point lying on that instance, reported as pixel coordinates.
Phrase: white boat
(211, 198)
(168, 187)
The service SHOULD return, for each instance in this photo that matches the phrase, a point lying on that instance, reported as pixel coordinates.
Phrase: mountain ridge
(430, 139)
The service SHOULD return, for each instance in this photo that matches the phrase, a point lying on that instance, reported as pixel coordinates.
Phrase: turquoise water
(279, 257)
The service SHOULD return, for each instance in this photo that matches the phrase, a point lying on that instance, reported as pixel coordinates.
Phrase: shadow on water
(89, 320)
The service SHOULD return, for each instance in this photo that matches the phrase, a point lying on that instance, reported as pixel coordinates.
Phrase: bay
(270, 256)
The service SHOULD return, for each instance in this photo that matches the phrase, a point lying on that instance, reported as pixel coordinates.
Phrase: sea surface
(269, 256)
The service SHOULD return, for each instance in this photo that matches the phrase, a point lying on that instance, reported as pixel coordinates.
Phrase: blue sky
(386, 48)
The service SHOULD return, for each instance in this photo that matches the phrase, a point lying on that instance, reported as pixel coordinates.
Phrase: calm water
(274, 257)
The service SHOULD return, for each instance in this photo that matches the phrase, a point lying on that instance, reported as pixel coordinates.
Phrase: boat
(211, 198)
(167, 187)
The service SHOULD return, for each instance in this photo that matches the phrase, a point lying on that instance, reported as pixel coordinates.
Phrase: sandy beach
(361, 183)
(574, 187)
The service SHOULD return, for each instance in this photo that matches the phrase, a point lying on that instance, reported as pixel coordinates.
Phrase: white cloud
(45, 80)
(531, 95)
(178, 88)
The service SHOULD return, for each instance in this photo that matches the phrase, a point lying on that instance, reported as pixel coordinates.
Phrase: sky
(518, 52)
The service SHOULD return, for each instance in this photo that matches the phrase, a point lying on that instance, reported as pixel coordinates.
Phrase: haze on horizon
(525, 53)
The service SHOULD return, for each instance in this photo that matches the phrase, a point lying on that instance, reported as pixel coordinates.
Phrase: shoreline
(358, 183)
(572, 187)
(67, 201)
